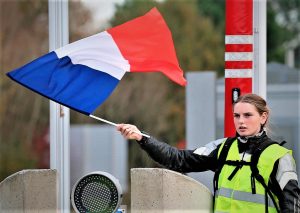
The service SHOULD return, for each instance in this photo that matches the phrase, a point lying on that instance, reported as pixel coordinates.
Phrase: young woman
(252, 172)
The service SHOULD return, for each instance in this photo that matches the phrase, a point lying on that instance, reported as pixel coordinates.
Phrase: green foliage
(289, 13)
(215, 10)
(278, 33)
(275, 37)
(24, 114)
(24, 30)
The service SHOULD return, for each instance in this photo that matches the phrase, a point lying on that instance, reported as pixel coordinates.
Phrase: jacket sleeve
(183, 161)
(284, 179)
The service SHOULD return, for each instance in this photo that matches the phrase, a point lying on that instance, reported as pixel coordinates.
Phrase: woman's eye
(236, 116)
(247, 115)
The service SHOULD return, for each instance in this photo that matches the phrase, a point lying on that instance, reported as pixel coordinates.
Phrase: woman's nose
(241, 120)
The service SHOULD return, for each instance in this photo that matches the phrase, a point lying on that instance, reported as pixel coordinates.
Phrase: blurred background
(150, 101)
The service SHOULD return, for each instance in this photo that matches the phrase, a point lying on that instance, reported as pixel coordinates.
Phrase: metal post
(59, 115)
(201, 115)
(260, 48)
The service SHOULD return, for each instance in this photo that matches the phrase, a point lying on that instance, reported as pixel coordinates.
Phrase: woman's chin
(243, 134)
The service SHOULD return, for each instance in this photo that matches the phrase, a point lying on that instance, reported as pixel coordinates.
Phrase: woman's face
(247, 120)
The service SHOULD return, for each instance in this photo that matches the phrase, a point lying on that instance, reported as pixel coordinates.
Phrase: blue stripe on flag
(73, 85)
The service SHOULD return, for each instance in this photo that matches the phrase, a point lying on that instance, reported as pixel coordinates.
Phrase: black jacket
(185, 161)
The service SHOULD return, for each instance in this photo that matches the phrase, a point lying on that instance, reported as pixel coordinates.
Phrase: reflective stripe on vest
(244, 196)
(235, 195)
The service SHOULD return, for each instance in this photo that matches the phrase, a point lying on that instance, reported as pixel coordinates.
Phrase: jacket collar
(254, 138)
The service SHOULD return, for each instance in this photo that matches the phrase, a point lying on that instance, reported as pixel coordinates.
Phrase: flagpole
(260, 45)
(59, 115)
(114, 124)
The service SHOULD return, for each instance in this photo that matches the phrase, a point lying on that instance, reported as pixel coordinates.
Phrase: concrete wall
(29, 191)
(160, 191)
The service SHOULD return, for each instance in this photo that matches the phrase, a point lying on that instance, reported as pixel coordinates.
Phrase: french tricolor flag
(81, 75)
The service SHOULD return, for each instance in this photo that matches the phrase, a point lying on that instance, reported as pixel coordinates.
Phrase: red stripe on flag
(238, 48)
(147, 43)
(239, 16)
(238, 64)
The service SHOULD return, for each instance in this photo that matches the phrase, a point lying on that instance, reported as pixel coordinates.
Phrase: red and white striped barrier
(238, 56)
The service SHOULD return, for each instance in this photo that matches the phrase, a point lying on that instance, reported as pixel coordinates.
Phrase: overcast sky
(101, 10)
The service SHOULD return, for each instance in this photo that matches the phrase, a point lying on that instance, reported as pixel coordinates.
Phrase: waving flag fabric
(81, 75)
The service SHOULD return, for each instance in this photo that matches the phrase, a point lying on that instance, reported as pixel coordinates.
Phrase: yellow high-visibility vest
(235, 195)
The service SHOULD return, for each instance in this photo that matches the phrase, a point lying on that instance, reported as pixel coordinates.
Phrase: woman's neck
(244, 139)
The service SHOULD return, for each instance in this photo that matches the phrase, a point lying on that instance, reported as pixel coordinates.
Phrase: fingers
(129, 131)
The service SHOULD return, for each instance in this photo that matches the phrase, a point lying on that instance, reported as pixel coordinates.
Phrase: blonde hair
(257, 101)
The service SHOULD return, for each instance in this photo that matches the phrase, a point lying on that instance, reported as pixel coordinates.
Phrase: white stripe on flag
(238, 73)
(238, 56)
(98, 52)
(238, 39)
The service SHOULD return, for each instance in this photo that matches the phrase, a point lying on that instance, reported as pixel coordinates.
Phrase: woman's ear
(264, 118)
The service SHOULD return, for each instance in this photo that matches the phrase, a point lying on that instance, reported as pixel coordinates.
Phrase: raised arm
(168, 156)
